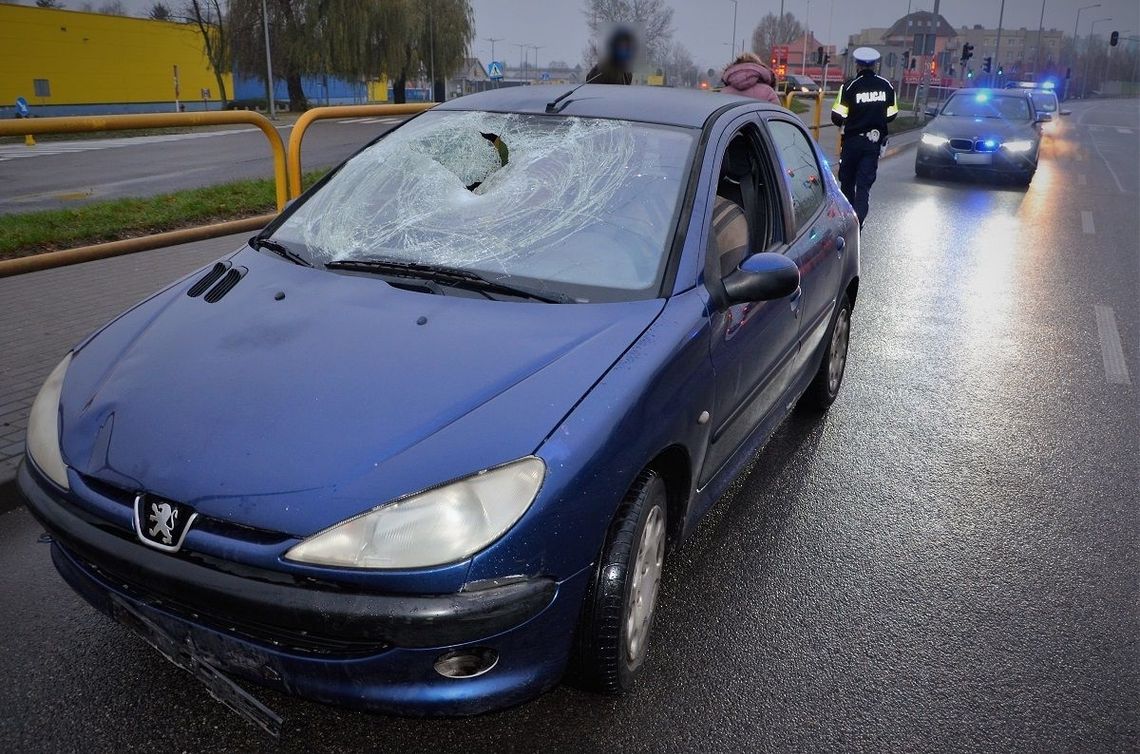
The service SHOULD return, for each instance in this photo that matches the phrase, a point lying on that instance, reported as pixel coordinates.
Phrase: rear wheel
(823, 390)
(613, 635)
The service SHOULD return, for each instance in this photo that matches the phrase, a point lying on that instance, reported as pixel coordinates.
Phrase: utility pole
(735, 6)
(493, 40)
(431, 47)
(522, 64)
(807, 32)
(1076, 40)
(924, 80)
(268, 63)
(1085, 77)
(997, 47)
(536, 48)
(1037, 57)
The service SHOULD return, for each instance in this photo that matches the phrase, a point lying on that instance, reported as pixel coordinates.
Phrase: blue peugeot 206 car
(425, 443)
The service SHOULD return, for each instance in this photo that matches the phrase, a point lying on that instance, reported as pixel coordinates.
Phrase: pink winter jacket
(751, 80)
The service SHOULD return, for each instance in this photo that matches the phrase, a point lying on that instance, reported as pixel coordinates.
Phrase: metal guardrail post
(338, 111)
(87, 124)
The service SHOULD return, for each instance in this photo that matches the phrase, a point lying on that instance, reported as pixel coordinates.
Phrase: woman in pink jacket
(749, 77)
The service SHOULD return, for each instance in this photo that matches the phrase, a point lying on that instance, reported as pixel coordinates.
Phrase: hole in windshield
(577, 206)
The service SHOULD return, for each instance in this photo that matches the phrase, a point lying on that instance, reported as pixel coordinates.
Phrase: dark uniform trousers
(858, 168)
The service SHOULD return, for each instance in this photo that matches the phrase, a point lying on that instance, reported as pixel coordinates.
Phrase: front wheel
(823, 390)
(613, 636)
(922, 171)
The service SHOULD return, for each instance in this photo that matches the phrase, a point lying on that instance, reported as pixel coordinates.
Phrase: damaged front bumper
(352, 648)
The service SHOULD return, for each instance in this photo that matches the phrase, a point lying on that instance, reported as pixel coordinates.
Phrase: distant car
(424, 441)
(796, 82)
(1044, 96)
(983, 131)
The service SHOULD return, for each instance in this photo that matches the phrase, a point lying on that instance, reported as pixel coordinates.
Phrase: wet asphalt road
(946, 562)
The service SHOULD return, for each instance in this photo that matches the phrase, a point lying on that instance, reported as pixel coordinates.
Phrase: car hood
(962, 127)
(302, 397)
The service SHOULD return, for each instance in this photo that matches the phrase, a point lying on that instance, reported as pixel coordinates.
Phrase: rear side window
(801, 169)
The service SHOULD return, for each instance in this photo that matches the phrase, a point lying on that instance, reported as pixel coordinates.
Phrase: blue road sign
(546, 75)
(21, 107)
(495, 70)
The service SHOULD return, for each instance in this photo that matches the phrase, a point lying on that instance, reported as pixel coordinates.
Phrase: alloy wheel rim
(645, 583)
(838, 354)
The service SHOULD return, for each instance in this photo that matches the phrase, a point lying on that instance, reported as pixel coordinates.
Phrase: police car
(983, 132)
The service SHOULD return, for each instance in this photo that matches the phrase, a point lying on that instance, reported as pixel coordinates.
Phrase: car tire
(824, 388)
(923, 171)
(617, 618)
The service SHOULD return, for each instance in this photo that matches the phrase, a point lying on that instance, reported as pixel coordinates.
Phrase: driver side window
(742, 218)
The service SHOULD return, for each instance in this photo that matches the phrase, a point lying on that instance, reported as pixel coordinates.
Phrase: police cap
(866, 55)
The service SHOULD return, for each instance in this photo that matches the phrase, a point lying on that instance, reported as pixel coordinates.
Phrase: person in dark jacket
(616, 66)
(749, 77)
(863, 107)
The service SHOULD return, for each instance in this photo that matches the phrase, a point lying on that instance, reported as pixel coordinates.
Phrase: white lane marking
(1082, 180)
(1107, 164)
(46, 148)
(1096, 128)
(1120, 130)
(1087, 222)
(1115, 370)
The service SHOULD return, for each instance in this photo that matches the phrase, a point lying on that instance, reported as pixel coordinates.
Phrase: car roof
(649, 104)
(1023, 93)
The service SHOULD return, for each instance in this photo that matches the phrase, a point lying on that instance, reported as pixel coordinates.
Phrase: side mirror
(1066, 112)
(762, 277)
(932, 112)
(1044, 117)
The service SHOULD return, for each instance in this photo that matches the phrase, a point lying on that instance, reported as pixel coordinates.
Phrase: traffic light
(967, 52)
(1113, 38)
(987, 64)
(1001, 71)
(827, 58)
(970, 73)
(819, 55)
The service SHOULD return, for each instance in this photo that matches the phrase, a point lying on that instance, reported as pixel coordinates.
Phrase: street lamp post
(1076, 27)
(1085, 77)
(807, 31)
(997, 45)
(735, 8)
(1040, 31)
(268, 62)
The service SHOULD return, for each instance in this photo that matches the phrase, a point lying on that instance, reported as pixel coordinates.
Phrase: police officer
(864, 107)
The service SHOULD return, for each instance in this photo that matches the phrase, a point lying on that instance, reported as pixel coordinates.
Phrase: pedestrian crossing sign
(495, 70)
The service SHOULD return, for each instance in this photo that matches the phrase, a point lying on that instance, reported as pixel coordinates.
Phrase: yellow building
(68, 62)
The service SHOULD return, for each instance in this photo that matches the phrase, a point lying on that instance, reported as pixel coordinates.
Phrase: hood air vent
(225, 285)
(208, 279)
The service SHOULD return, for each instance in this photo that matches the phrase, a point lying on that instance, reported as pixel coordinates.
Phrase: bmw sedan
(427, 441)
(983, 132)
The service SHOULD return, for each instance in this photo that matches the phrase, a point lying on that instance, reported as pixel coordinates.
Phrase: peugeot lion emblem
(161, 523)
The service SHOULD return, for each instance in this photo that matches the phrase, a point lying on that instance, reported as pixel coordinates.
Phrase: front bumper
(1002, 162)
(353, 648)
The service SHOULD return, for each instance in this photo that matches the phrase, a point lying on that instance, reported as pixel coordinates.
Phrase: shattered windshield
(578, 206)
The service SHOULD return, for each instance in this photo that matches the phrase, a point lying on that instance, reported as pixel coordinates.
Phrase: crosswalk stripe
(1120, 130)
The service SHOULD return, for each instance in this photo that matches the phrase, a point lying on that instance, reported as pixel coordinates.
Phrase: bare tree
(159, 12)
(213, 25)
(773, 30)
(56, 4)
(679, 67)
(653, 20)
(113, 8)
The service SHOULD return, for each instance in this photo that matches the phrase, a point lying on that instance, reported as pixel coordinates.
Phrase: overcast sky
(705, 26)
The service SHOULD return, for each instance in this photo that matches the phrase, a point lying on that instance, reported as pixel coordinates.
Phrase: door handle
(796, 299)
(840, 244)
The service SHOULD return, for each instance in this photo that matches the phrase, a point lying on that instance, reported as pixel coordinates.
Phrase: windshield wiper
(280, 249)
(449, 275)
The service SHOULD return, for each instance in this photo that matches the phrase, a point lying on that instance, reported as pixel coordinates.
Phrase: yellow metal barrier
(818, 97)
(340, 111)
(86, 124)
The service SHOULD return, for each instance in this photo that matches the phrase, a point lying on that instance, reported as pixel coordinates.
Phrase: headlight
(932, 140)
(441, 525)
(43, 427)
(1021, 145)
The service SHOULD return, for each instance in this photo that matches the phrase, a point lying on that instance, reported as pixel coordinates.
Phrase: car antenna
(552, 106)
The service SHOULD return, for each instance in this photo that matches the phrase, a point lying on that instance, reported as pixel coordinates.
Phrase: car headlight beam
(445, 524)
(933, 140)
(1020, 145)
(43, 427)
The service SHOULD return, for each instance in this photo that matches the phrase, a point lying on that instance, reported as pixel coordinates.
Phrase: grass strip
(29, 233)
